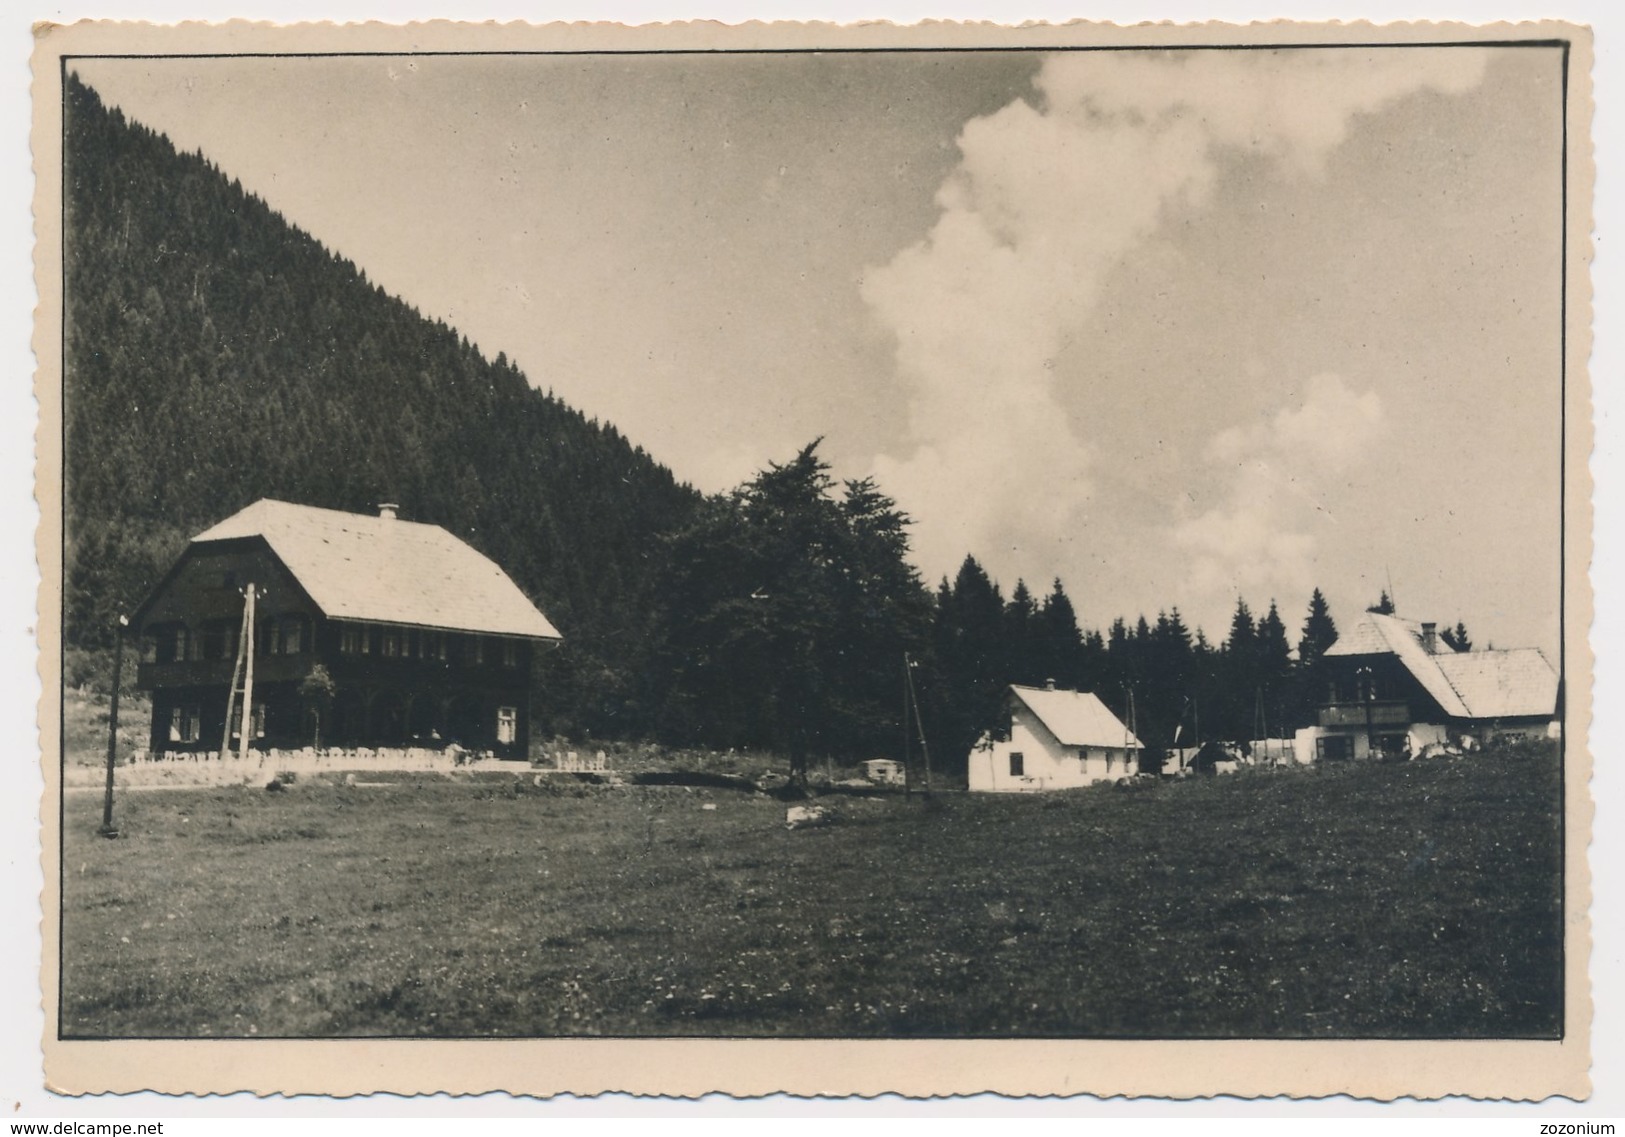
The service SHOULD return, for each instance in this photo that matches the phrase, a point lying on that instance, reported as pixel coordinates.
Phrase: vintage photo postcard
(833, 560)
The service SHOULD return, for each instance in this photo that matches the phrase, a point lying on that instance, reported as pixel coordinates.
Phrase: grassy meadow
(1416, 900)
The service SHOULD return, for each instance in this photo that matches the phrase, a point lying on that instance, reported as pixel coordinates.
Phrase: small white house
(1053, 740)
(884, 771)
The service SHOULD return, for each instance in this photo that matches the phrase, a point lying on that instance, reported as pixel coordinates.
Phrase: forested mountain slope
(215, 354)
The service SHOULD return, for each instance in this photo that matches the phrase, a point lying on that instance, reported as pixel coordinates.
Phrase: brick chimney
(1430, 638)
(386, 510)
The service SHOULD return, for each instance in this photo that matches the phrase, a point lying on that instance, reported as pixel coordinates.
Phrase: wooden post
(108, 829)
(908, 774)
(248, 674)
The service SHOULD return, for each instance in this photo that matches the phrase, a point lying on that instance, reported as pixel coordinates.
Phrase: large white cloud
(1275, 477)
(1047, 198)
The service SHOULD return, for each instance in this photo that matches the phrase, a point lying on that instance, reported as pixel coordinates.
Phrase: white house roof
(361, 567)
(1503, 684)
(1465, 684)
(1076, 718)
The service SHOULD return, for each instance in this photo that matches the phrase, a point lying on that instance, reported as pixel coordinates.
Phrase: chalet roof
(1076, 718)
(1378, 634)
(1503, 684)
(1466, 684)
(361, 567)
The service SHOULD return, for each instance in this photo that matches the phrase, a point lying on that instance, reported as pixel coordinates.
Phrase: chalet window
(1018, 765)
(183, 724)
(350, 640)
(293, 635)
(256, 723)
(507, 725)
(271, 638)
(169, 645)
(194, 645)
(510, 653)
(476, 651)
(434, 645)
(366, 641)
(391, 647)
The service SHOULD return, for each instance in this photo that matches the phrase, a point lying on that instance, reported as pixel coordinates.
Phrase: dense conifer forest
(214, 355)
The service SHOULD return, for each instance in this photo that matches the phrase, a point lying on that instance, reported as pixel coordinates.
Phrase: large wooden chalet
(426, 641)
(1397, 687)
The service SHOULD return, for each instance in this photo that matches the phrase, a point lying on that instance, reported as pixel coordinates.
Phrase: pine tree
(1021, 636)
(1274, 655)
(1059, 644)
(1238, 688)
(1319, 631)
(1311, 686)
(1275, 681)
(790, 607)
(1457, 637)
(972, 663)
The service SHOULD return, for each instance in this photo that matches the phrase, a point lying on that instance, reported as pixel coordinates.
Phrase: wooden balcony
(217, 672)
(1378, 713)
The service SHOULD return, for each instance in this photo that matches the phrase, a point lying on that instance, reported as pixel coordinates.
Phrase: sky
(1173, 327)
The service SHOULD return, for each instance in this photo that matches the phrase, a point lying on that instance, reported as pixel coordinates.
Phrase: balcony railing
(210, 672)
(1380, 712)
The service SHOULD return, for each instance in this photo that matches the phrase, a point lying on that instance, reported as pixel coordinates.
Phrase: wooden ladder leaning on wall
(242, 671)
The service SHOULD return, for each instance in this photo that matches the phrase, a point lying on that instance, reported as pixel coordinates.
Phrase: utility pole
(243, 669)
(914, 698)
(1368, 681)
(108, 829)
(1260, 724)
(908, 774)
(248, 677)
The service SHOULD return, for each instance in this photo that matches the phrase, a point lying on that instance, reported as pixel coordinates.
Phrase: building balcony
(1361, 714)
(217, 672)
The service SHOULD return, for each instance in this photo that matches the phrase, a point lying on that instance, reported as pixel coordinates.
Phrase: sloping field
(1415, 900)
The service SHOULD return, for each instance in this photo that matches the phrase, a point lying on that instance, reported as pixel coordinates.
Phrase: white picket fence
(206, 767)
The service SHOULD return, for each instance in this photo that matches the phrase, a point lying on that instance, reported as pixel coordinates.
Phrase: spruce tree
(1457, 637)
(1059, 646)
(1021, 637)
(1312, 683)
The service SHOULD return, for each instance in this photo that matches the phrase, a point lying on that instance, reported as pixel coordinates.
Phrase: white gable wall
(1045, 763)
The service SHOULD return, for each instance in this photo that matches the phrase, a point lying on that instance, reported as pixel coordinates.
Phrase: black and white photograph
(1043, 539)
